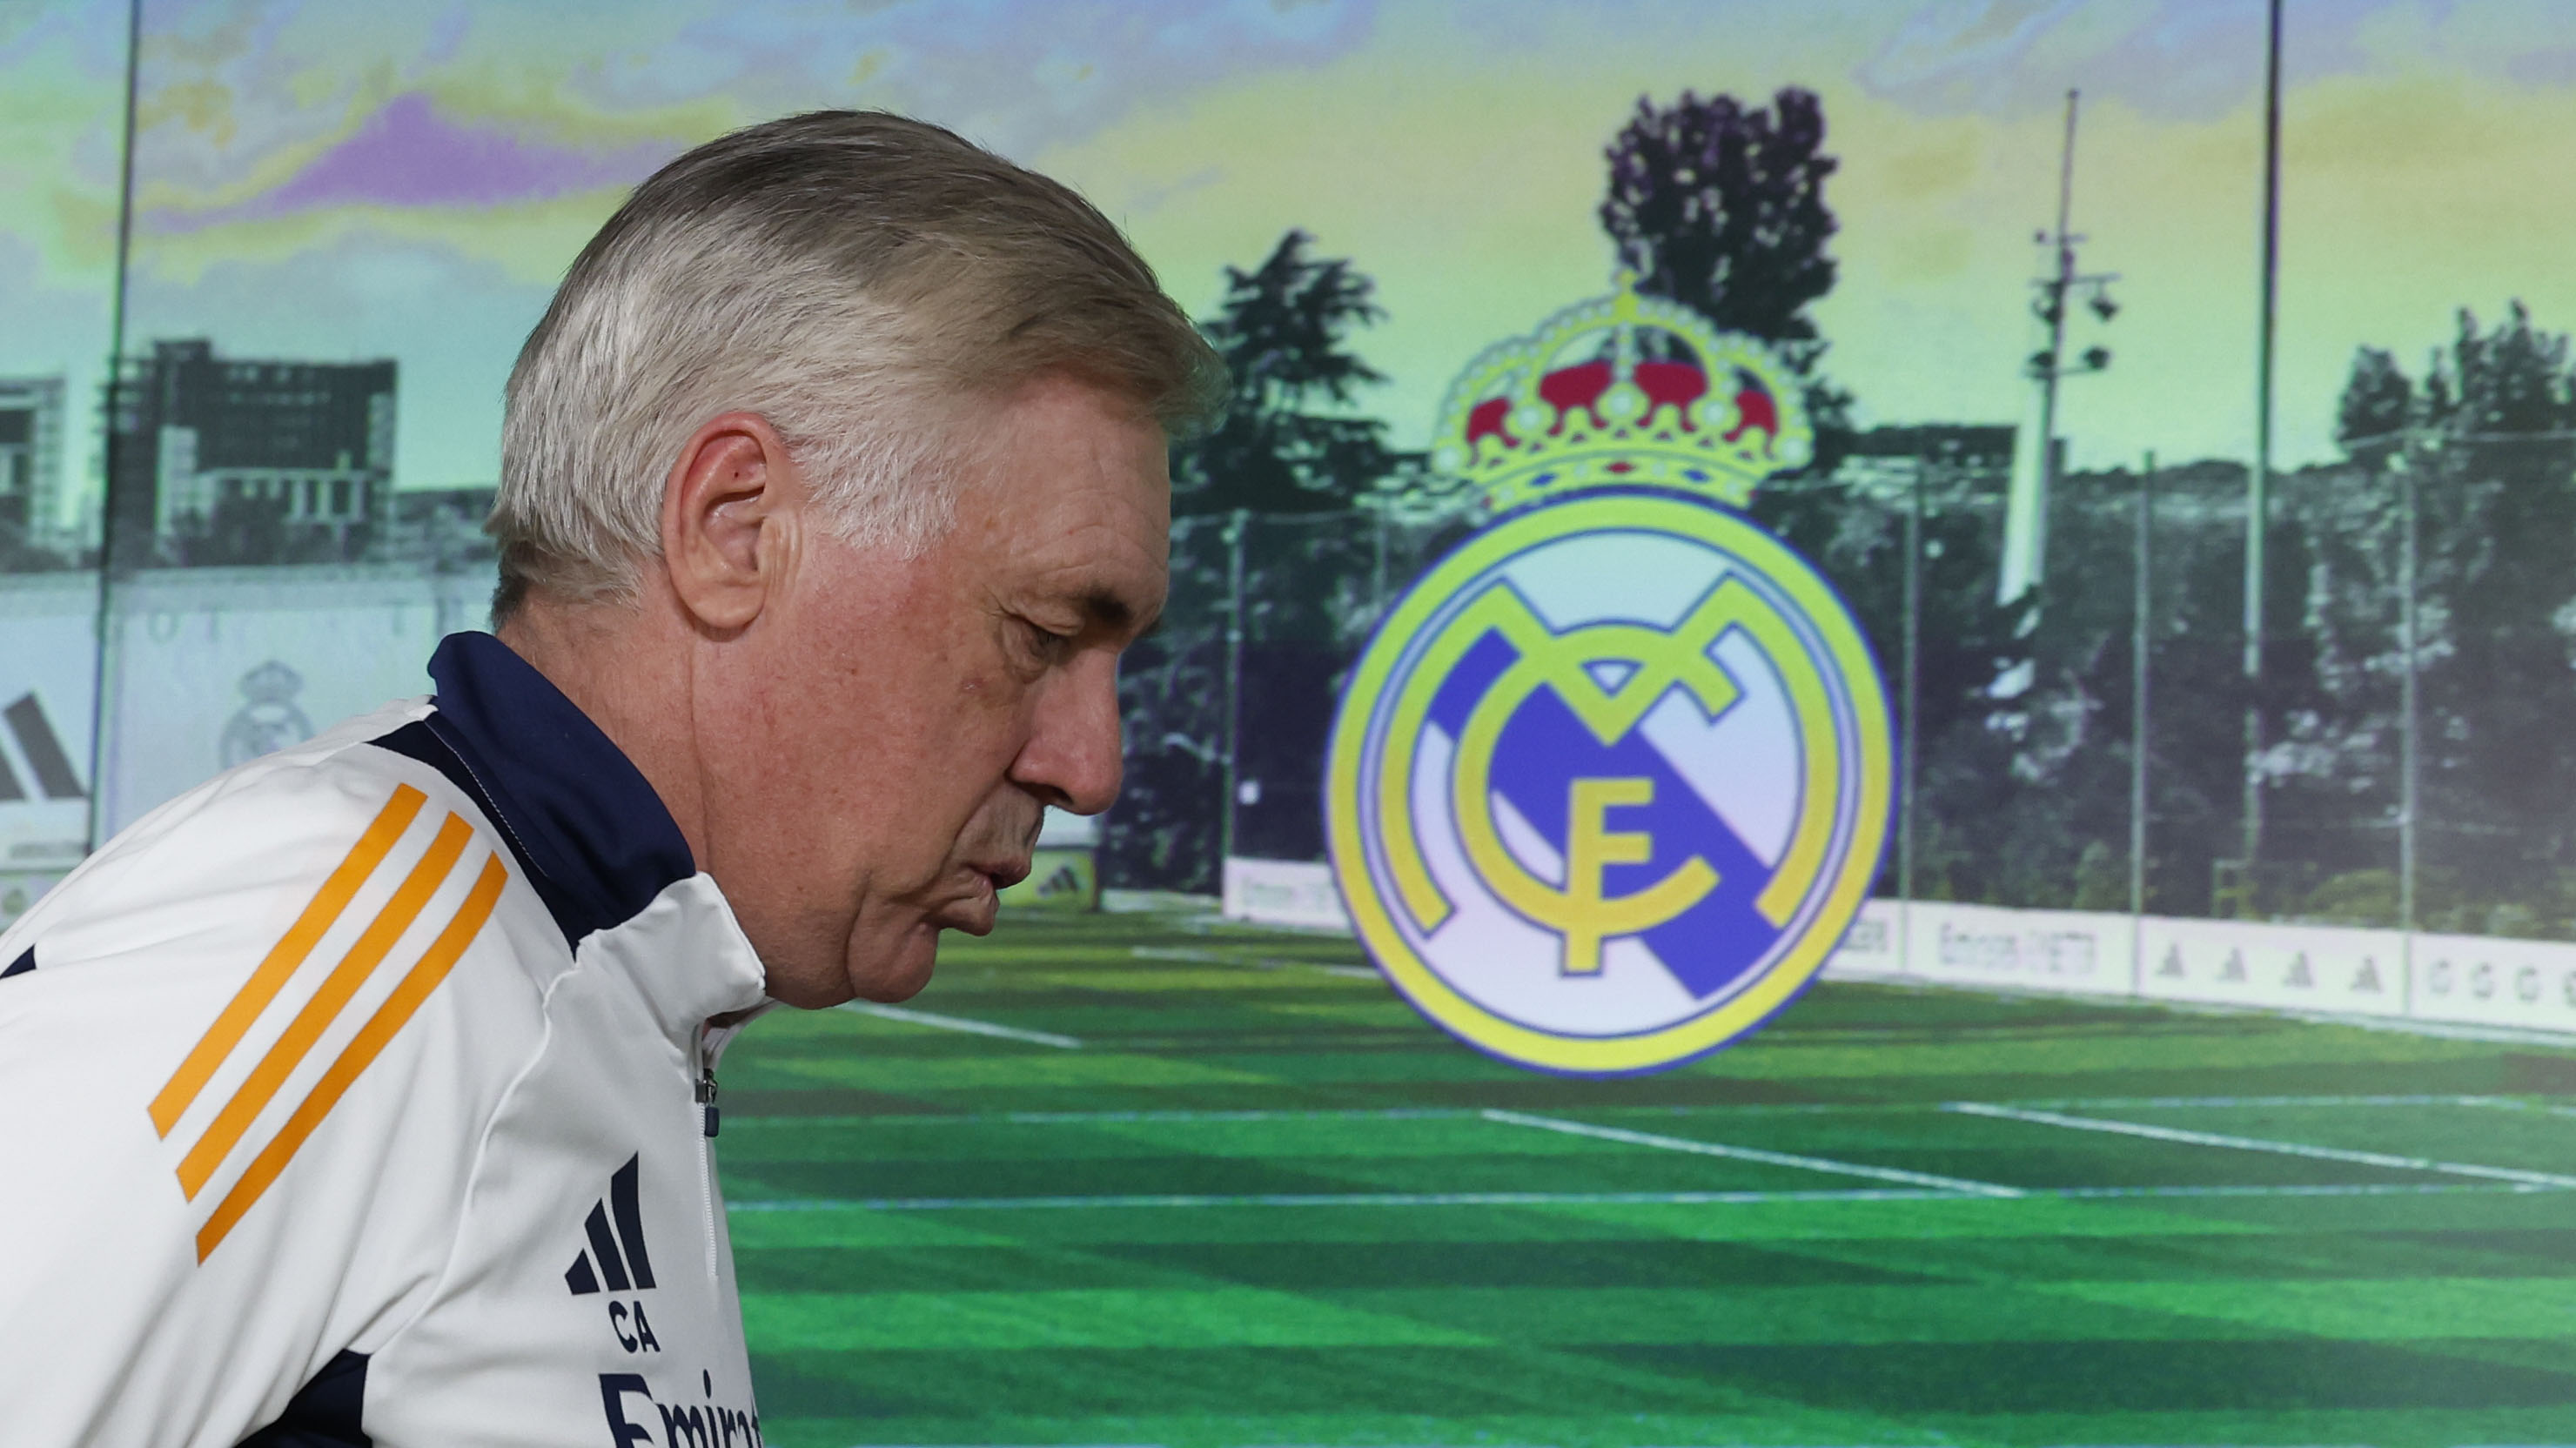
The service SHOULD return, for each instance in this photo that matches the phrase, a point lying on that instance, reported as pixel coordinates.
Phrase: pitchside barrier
(2470, 980)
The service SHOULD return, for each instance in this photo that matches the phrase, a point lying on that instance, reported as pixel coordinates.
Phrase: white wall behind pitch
(211, 666)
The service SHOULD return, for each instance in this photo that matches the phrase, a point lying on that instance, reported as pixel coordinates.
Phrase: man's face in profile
(907, 720)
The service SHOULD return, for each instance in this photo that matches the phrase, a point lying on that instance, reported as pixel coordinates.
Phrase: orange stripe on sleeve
(328, 999)
(319, 915)
(360, 1053)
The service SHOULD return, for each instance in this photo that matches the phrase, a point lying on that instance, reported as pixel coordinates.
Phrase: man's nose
(1073, 753)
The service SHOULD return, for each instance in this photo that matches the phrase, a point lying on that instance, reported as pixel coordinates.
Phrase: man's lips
(1003, 873)
(972, 911)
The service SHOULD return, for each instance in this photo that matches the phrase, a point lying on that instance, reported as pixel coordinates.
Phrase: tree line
(2024, 713)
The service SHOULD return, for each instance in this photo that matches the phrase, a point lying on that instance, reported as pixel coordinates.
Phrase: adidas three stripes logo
(42, 750)
(217, 1139)
(629, 1269)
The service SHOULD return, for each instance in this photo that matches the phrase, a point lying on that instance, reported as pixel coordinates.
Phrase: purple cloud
(407, 154)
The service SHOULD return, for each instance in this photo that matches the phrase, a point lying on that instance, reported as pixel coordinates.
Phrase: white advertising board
(48, 669)
(2324, 969)
(2081, 952)
(1874, 947)
(2337, 969)
(1284, 892)
(2485, 980)
(211, 667)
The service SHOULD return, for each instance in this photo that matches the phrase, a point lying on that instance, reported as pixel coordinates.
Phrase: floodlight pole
(2062, 287)
(2025, 562)
(107, 550)
(2258, 484)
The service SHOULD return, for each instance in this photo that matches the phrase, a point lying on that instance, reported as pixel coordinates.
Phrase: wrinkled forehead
(1073, 496)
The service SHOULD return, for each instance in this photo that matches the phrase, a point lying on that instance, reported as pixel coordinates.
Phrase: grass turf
(1262, 1202)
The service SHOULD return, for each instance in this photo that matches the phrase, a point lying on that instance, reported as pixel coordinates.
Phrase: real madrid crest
(269, 721)
(1612, 778)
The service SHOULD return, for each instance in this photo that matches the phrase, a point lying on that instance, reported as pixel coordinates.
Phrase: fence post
(1235, 528)
(2141, 638)
(2409, 741)
(1907, 739)
(1377, 560)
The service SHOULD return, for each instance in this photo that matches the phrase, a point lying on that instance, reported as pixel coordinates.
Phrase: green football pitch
(1132, 1179)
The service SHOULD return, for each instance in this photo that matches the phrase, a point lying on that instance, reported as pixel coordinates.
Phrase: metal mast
(2258, 485)
(116, 396)
(2025, 559)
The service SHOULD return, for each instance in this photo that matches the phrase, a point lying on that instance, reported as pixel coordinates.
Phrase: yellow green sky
(406, 178)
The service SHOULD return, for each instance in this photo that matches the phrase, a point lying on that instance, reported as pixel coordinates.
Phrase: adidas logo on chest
(616, 1259)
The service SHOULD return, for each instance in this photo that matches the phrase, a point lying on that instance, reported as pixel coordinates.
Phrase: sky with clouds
(407, 178)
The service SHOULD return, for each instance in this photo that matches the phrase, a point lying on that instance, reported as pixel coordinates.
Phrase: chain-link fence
(2088, 747)
(1230, 704)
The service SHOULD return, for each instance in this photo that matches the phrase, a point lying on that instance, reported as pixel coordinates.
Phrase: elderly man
(364, 1092)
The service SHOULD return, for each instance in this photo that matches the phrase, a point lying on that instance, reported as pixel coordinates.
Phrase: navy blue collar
(595, 840)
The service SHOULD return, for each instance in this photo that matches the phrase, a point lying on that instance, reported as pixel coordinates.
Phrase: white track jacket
(363, 1094)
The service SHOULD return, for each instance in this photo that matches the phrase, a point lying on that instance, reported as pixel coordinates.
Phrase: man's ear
(729, 514)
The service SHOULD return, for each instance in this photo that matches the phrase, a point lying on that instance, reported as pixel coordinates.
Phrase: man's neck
(619, 664)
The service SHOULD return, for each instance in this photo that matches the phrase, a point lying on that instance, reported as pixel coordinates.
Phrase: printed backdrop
(249, 410)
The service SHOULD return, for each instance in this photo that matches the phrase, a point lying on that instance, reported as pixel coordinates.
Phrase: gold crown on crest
(1580, 404)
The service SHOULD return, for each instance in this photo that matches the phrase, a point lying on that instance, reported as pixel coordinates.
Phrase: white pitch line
(2507, 1103)
(1257, 962)
(1341, 1199)
(2438, 1030)
(2114, 1103)
(2253, 1143)
(2329, 1189)
(1180, 952)
(1747, 1153)
(960, 1023)
(1355, 1113)
(1593, 1199)
(1768, 1109)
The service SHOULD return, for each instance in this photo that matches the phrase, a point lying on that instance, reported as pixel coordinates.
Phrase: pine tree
(1291, 443)
(1288, 442)
(2378, 403)
(2484, 433)
(2499, 509)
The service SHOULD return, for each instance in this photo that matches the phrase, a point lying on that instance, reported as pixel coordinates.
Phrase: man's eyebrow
(1105, 610)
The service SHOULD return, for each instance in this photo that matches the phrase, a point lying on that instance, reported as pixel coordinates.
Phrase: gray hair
(860, 280)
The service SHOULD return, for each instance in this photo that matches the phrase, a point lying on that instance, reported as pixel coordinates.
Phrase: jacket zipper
(707, 1122)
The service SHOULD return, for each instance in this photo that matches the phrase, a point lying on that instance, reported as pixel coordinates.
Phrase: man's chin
(896, 970)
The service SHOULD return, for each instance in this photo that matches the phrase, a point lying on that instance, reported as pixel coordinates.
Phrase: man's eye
(1050, 644)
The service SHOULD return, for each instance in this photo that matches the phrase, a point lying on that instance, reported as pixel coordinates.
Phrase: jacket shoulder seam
(481, 1161)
